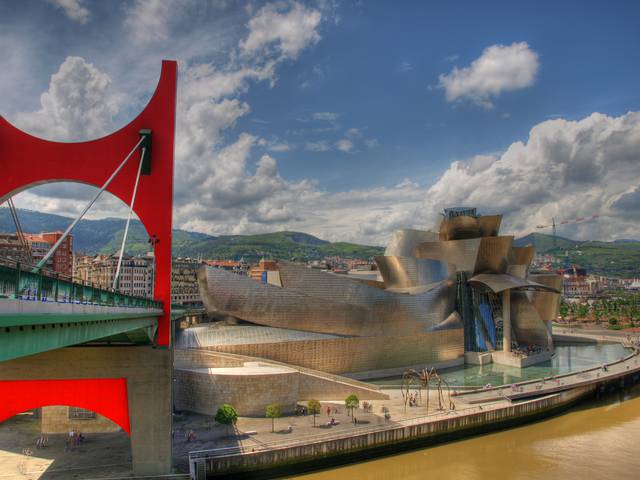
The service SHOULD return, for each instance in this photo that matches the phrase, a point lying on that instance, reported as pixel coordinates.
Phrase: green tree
(564, 310)
(226, 415)
(313, 406)
(273, 411)
(351, 402)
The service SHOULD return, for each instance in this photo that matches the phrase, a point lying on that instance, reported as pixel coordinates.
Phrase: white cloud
(289, 29)
(225, 185)
(321, 146)
(353, 133)
(345, 145)
(566, 169)
(74, 9)
(78, 105)
(326, 116)
(500, 68)
(151, 20)
(280, 147)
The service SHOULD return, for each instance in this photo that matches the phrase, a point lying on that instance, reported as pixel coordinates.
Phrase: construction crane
(553, 225)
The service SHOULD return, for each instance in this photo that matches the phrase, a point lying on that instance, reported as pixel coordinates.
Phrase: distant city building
(230, 265)
(576, 284)
(136, 273)
(266, 272)
(40, 244)
(12, 248)
(184, 282)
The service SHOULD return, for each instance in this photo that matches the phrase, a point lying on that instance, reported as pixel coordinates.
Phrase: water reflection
(598, 440)
(566, 359)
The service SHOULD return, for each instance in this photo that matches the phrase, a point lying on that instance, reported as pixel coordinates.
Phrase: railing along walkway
(494, 398)
(345, 433)
(18, 281)
(557, 383)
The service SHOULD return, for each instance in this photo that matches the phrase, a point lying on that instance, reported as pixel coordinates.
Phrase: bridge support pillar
(147, 372)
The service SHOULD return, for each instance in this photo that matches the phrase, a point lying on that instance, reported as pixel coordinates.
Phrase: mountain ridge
(618, 258)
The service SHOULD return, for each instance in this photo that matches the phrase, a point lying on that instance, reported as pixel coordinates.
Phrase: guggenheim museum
(460, 293)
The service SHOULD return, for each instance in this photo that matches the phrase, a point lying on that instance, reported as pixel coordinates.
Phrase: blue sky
(348, 119)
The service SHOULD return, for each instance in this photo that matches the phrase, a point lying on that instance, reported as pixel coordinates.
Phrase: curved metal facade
(316, 301)
(409, 272)
(424, 296)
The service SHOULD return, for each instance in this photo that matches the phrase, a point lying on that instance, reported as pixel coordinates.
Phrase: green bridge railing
(18, 281)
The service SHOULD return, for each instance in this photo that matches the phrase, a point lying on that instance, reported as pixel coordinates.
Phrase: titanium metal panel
(517, 271)
(462, 253)
(459, 228)
(527, 324)
(493, 254)
(397, 311)
(321, 302)
(408, 272)
(522, 255)
(403, 243)
(465, 227)
(498, 282)
(546, 303)
(489, 225)
(273, 306)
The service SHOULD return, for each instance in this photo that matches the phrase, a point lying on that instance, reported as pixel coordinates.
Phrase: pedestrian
(328, 411)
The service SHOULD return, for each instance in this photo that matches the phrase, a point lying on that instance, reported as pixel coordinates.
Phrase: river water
(599, 439)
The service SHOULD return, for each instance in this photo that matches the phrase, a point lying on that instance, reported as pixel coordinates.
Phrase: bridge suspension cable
(19, 232)
(116, 278)
(52, 250)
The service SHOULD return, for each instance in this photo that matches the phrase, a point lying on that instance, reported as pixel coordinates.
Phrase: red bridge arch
(106, 396)
(26, 161)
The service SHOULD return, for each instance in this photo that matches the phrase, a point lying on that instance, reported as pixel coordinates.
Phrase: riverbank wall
(382, 441)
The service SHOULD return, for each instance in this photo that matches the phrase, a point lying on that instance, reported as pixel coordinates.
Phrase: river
(599, 439)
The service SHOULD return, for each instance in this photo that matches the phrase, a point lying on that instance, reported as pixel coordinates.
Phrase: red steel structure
(106, 396)
(26, 161)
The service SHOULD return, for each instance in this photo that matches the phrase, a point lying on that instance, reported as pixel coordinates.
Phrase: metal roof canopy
(498, 282)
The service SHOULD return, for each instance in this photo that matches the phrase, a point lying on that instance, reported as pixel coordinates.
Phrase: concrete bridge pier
(147, 371)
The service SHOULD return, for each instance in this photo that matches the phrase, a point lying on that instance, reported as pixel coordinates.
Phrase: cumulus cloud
(345, 145)
(225, 183)
(288, 29)
(78, 104)
(565, 169)
(500, 68)
(74, 9)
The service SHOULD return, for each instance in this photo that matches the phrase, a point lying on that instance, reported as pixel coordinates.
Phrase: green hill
(544, 242)
(620, 258)
(616, 259)
(105, 236)
(93, 236)
(295, 246)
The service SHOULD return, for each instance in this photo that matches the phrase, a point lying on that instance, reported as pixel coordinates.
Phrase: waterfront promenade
(474, 411)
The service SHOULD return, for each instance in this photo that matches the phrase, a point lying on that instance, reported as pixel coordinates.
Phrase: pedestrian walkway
(548, 385)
